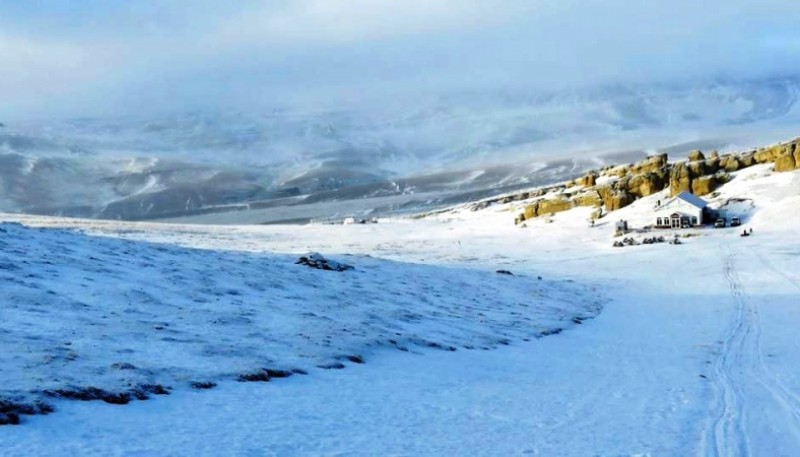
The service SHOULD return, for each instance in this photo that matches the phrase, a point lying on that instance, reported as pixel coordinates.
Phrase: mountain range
(403, 155)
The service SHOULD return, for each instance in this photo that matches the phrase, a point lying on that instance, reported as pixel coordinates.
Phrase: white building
(682, 210)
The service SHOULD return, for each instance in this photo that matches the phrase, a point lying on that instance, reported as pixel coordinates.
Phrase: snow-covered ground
(694, 352)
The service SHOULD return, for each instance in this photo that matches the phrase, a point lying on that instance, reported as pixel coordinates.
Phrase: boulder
(555, 205)
(797, 154)
(590, 198)
(589, 180)
(650, 164)
(769, 154)
(646, 184)
(712, 165)
(316, 260)
(730, 163)
(748, 159)
(680, 179)
(531, 211)
(786, 161)
(697, 168)
(619, 199)
(619, 171)
(696, 155)
(704, 185)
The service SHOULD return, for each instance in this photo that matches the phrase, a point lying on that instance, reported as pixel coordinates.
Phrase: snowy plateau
(423, 348)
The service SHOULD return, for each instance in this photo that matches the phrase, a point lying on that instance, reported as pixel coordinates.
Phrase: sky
(66, 58)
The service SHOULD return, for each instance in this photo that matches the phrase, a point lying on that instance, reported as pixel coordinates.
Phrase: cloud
(111, 57)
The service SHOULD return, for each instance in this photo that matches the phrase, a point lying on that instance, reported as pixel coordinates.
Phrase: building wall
(678, 206)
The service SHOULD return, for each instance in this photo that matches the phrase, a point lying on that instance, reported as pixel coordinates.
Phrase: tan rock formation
(531, 211)
(680, 179)
(619, 199)
(730, 163)
(555, 205)
(589, 180)
(747, 159)
(650, 164)
(786, 161)
(646, 184)
(797, 154)
(712, 165)
(696, 155)
(769, 154)
(590, 198)
(704, 185)
(697, 168)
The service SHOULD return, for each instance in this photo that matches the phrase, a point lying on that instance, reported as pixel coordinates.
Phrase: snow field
(80, 311)
(694, 354)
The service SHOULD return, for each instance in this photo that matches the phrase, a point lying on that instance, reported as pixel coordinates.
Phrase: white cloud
(141, 56)
(346, 21)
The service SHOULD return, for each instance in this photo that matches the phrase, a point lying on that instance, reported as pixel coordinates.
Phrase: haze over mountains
(418, 153)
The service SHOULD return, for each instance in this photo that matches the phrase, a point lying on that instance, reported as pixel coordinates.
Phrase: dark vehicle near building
(735, 222)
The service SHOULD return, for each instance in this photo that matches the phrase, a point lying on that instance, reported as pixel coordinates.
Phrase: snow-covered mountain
(453, 145)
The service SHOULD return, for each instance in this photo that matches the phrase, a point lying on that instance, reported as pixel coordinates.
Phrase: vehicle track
(727, 435)
(741, 359)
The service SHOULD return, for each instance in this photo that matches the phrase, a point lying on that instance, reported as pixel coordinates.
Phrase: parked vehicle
(735, 222)
(719, 223)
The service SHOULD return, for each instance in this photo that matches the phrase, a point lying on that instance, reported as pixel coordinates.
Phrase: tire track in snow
(727, 435)
(742, 357)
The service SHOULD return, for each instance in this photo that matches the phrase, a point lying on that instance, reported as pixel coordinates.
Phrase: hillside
(698, 338)
(114, 320)
(278, 166)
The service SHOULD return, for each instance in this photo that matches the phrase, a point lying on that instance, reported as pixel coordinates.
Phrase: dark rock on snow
(316, 260)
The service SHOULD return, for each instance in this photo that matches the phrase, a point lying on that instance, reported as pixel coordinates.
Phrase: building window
(694, 220)
(658, 221)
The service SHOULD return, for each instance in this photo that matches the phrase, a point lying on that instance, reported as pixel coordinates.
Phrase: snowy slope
(694, 354)
(81, 311)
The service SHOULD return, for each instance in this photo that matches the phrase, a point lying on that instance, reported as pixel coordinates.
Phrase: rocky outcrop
(699, 175)
(615, 198)
(697, 168)
(712, 165)
(704, 185)
(589, 180)
(651, 164)
(748, 159)
(786, 162)
(555, 205)
(590, 198)
(645, 184)
(680, 179)
(316, 260)
(789, 158)
(730, 163)
(767, 155)
(618, 200)
(548, 206)
(696, 155)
